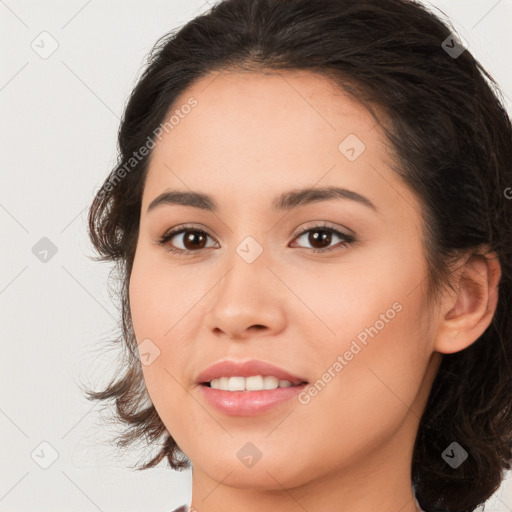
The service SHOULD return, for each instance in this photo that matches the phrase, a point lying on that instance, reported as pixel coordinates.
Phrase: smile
(252, 383)
(247, 388)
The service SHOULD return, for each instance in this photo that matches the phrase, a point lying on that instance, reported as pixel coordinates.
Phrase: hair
(451, 140)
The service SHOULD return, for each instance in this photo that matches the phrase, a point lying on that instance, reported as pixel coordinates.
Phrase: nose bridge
(247, 278)
(246, 295)
(250, 254)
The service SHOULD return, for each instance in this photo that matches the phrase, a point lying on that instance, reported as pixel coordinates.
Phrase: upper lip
(246, 369)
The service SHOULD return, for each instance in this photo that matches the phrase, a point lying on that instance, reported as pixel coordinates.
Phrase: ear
(468, 311)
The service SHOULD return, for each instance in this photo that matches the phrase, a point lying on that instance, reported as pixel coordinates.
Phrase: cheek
(159, 306)
(362, 303)
(371, 364)
(156, 299)
(372, 376)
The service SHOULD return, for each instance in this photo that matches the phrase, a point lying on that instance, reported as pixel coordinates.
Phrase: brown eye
(185, 240)
(194, 240)
(321, 237)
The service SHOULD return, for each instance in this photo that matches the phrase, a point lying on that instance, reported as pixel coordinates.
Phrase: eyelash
(166, 237)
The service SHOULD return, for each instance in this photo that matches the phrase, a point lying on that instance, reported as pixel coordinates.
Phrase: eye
(193, 240)
(322, 236)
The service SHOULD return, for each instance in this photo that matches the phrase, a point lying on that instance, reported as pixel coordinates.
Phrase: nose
(248, 301)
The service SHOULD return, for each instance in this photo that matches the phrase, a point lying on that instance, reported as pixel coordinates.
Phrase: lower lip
(249, 403)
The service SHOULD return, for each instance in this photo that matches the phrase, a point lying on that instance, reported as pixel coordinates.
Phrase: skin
(251, 137)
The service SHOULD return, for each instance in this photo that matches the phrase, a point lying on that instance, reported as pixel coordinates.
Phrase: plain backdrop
(67, 70)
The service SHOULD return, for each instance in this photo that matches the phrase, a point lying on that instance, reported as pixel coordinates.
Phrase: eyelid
(322, 224)
(182, 227)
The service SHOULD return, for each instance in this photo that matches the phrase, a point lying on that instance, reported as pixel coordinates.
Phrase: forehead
(255, 108)
(248, 131)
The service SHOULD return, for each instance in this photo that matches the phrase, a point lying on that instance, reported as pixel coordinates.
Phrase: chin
(263, 475)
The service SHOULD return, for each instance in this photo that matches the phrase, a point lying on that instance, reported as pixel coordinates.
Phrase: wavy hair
(452, 139)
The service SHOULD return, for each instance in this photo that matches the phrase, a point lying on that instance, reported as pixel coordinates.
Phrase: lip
(247, 403)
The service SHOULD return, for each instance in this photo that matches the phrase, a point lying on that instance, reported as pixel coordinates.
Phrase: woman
(311, 216)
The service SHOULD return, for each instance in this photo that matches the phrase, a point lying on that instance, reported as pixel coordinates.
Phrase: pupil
(191, 238)
(325, 240)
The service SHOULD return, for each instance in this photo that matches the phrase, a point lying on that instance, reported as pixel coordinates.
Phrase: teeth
(270, 383)
(253, 383)
(236, 384)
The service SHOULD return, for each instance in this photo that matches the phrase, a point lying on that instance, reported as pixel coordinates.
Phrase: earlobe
(469, 310)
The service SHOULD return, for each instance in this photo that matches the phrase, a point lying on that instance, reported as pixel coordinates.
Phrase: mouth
(247, 388)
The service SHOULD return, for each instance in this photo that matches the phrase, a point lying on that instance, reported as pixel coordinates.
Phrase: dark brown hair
(452, 139)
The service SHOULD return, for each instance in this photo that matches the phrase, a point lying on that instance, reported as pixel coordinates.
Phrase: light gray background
(59, 121)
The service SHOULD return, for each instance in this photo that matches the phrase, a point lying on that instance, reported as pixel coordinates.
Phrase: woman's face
(349, 319)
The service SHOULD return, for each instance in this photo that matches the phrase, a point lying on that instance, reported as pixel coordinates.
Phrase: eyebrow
(285, 201)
